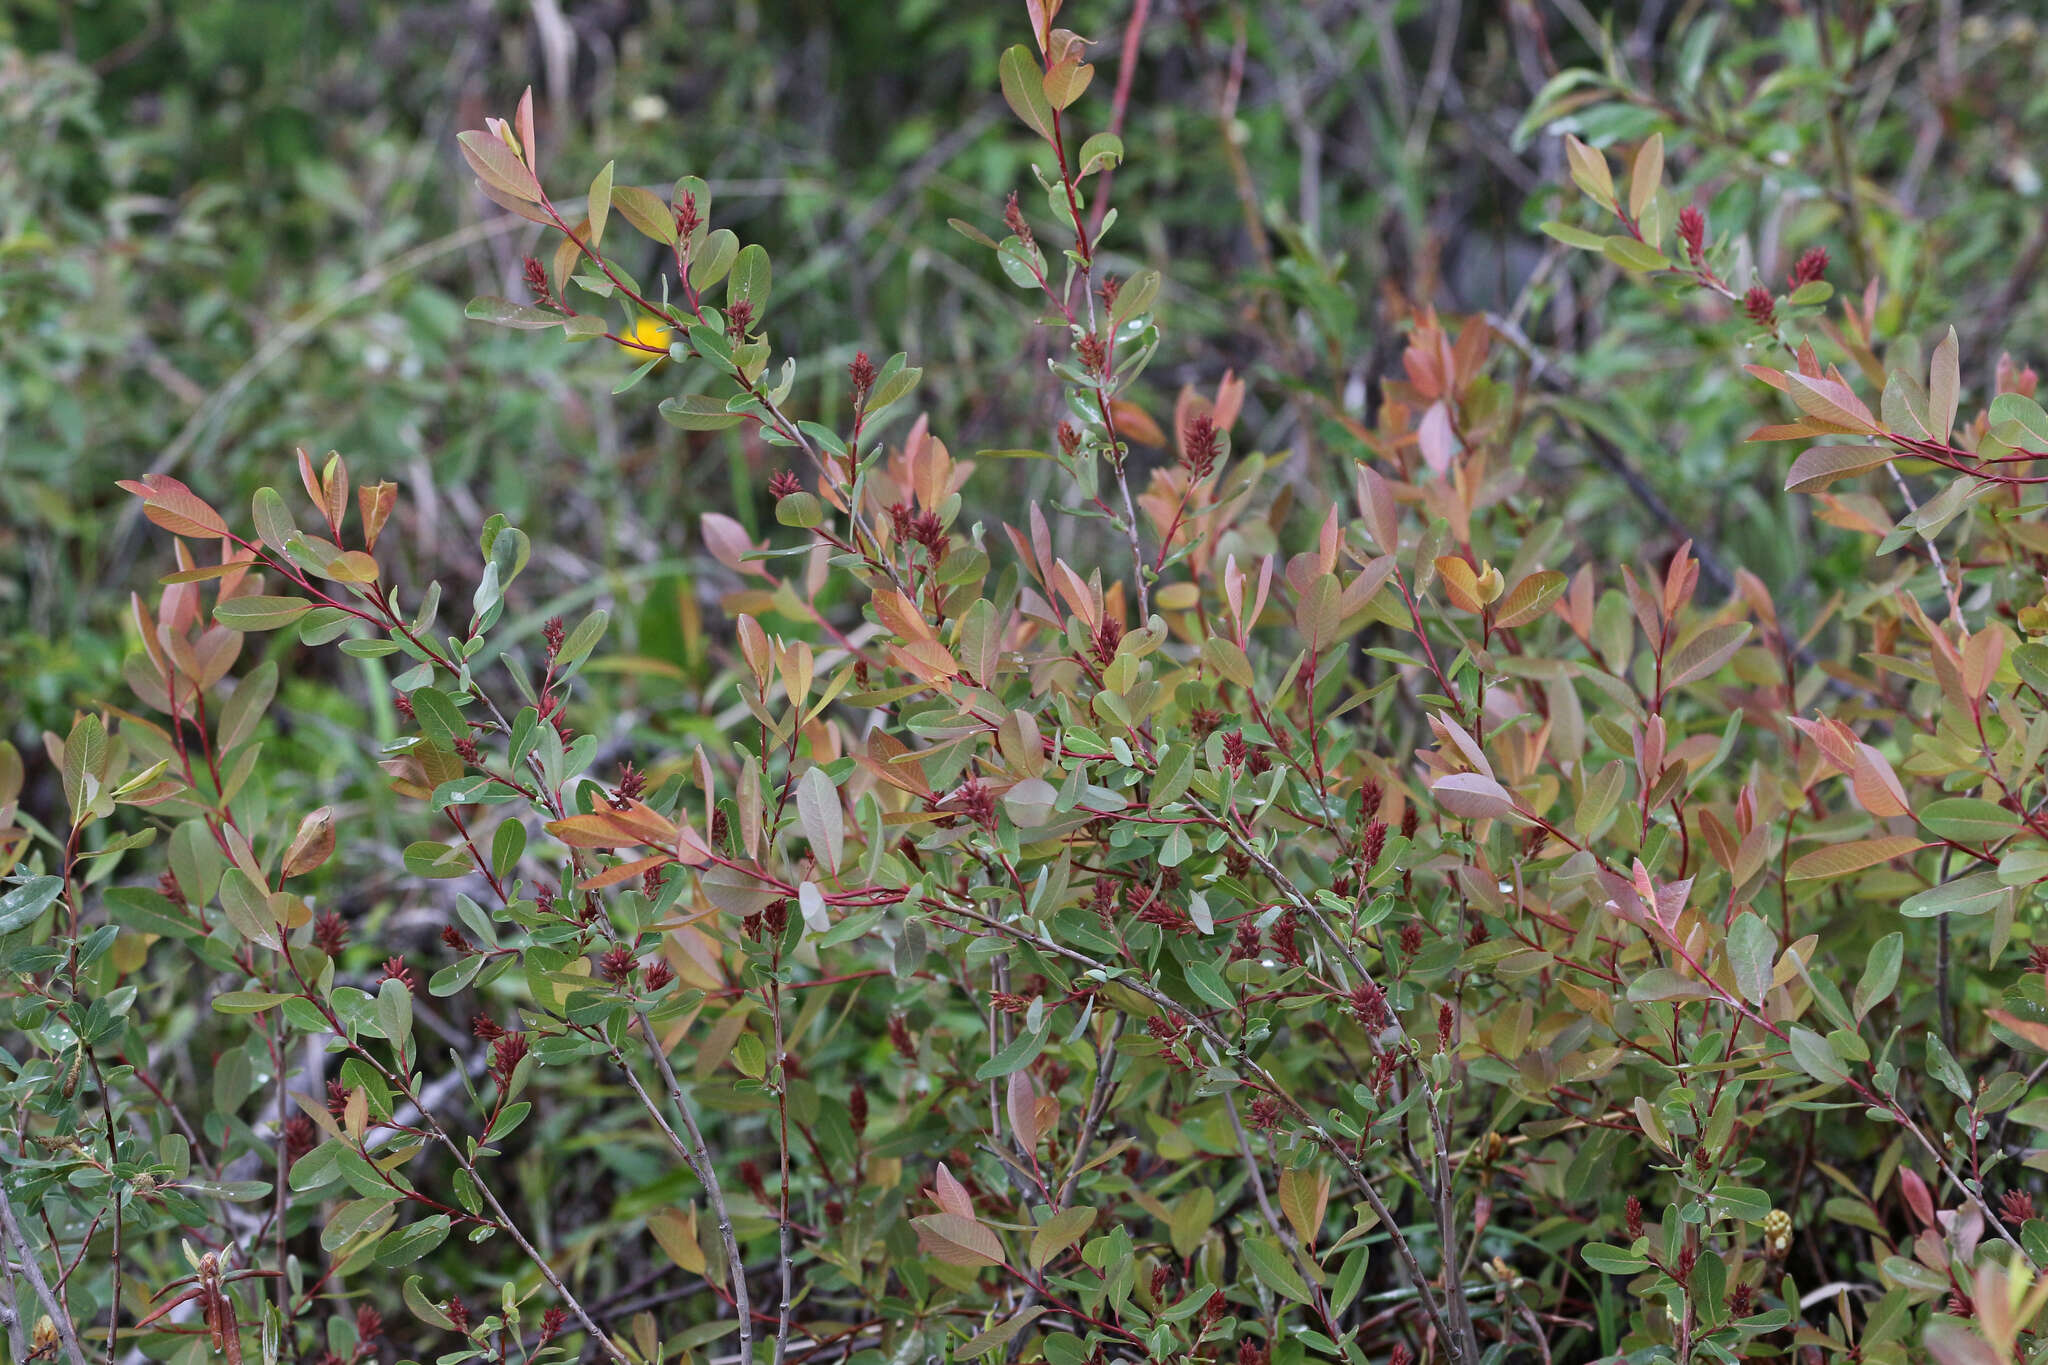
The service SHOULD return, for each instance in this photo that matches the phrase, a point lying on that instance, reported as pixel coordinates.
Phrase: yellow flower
(645, 332)
(2034, 620)
(1490, 584)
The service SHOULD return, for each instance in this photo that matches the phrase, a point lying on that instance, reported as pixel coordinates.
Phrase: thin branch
(699, 1157)
(1446, 1201)
(783, 1252)
(33, 1269)
(1098, 1101)
(1303, 1262)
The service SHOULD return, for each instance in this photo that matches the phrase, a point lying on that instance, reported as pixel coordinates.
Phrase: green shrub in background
(1223, 869)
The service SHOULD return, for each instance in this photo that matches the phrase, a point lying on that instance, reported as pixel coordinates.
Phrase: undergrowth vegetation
(1439, 829)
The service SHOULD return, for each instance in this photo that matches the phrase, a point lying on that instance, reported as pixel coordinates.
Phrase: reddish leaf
(176, 508)
(1839, 860)
(1822, 465)
(956, 1240)
(951, 1195)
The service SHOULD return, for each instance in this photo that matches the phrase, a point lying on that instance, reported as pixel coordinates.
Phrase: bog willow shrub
(1218, 930)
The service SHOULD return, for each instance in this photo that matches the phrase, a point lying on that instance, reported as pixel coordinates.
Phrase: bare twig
(783, 1252)
(1446, 1201)
(10, 1309)
(1098, 1102)
(699, 1158)
(1280, 1229)
(32, 1268)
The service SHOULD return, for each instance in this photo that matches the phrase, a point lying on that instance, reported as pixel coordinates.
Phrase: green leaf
(1972, 895)
(646, 212)
(1613, 1260)
(24, 903)
(247, 907)
(508, 1119)
(971, 232)
(749, 1057)
(1135, 298)
(1023, 82)
(506, 847)
(359, 1216)
(1946, 1069)
(1223, 655)
(823, 818)
(1752, 951)
(2030, 661)
(1022, 1051)
(1208, 983)
(426, 858)
(1630, 254)
(711, 261)
(750, 279)
(1575, 237)
(260, 613)
(1811, 1053)
(1662, 983)
(247, 1002)
(1102, 152)
(800, 510)
(1968, 819)
(245, 707)
(273, 519)
(1880, 973)
(893, 387)
(1269, 1263)
(423, 1308)
(1024, 265)
(1916, 1276)
(1000, 1335)
(497, 165)
(1749, 1205)
(1058, 1233)
(146, 911)
(439, 720)
(2019, 421)
(1193, 1215)
(317, 1167)
(394, 1012)
(2023, 866)
(1350, 1279)
(578, 643)
(505, 313)
(600, 203)
(409, 1243)
(697, 412)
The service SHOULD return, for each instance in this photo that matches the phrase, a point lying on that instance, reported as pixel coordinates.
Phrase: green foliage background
(232, 229)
